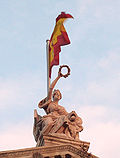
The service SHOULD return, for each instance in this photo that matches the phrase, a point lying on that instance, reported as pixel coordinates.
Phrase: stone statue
(57, 119)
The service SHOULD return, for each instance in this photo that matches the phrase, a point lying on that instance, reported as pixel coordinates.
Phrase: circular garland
(64, 75)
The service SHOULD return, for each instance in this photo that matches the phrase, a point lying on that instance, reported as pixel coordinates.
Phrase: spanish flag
(59, 38)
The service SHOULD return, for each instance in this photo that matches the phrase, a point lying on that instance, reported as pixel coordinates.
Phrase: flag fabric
(59, 38)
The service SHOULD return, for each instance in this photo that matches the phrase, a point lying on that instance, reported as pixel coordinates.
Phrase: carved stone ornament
(67, 74)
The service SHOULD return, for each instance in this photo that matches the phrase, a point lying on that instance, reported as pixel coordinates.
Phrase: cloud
(110, 62)
(100, 83)
(104, 139)
(19, 96)
(101, 12)
(17, 136)
(8, 92)
(103, 93)
(95, 20)
(19, 90)
(101, 130)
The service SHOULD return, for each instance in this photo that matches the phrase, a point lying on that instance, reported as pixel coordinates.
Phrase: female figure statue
(57, 120)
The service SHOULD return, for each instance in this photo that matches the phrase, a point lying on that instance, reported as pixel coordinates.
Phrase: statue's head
(57, 95)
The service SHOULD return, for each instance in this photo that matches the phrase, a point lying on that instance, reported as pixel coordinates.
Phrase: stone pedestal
(58, 139)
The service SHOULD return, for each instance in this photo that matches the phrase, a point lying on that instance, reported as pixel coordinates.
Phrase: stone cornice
(43, 150)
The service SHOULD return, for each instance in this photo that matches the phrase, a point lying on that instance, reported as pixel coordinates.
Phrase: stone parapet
(56, 151)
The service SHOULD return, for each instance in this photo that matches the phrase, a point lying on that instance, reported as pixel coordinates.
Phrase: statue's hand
(42, 102)
(60, 74)
(35, 113)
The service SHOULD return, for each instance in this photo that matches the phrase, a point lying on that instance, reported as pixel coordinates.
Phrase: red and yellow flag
(59, 38)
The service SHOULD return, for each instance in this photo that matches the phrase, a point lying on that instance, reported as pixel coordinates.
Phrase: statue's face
(56, 95)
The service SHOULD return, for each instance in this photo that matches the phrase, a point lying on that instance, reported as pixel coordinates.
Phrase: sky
(93, 87)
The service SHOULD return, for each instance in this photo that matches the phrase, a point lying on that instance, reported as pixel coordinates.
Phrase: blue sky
(93, 87)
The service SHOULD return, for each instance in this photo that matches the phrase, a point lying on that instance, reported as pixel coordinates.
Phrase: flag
(59, 38)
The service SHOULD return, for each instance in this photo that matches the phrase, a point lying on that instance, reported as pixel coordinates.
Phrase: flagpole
(47, 55)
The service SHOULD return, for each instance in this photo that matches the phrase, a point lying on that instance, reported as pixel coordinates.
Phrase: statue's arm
(44, 103)
(52, 86)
